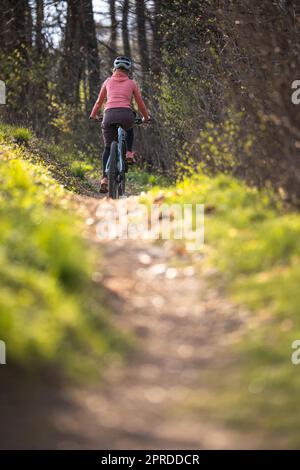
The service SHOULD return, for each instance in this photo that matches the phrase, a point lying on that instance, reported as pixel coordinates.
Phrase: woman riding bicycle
(118, 90)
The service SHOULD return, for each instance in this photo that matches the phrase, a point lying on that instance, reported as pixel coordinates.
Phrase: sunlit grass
(19, 135)
(79, 169)
(253, 241)
(140, 180)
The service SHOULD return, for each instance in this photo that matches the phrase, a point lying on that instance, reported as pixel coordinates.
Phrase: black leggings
(129, 137)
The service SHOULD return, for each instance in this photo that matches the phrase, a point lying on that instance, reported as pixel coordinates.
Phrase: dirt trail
(183, 327)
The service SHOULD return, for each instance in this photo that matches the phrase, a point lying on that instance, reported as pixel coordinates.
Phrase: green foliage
(79, 169)
(139, 180)
(254, 243)
(50, 311)
(27, 78)
(19, 135)
(220, 145)
(68, 164)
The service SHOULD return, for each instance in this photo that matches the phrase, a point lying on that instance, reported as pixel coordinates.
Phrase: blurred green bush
(50, 310)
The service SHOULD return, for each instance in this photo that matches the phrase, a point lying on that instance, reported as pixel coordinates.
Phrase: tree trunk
(16, 25)
(16, 33)
(125, 32)
(39, 42)
(113, 28)
(91, 50)
(142, 38)
(80, 53)
(71, 64)
(157, 37)
(39, 89)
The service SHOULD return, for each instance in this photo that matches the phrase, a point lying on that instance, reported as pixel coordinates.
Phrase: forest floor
(182, 326)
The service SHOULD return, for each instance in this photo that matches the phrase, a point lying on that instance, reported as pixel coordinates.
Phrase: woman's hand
(96, 118)
(146, 121)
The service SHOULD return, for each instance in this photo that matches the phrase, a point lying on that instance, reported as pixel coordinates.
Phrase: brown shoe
(130, 157)
(104, 185)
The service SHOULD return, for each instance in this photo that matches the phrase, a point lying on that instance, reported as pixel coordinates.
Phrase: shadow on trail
(29, 406)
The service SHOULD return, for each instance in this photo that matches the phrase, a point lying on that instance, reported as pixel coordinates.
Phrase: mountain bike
(117, 166)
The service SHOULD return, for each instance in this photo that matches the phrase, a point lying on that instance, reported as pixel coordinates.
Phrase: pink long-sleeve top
(118, 91)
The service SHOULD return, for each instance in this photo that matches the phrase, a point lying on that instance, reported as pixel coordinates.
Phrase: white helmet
(122, 63)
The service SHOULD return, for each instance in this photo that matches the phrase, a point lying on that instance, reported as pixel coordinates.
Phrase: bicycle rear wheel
(122, 176)
(113, 185)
